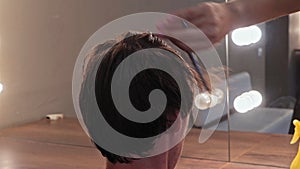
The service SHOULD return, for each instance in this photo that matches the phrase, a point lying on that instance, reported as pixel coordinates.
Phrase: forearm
(249, 12)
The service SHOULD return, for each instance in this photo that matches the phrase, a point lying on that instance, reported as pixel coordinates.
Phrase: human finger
(190, 13)
(193, 38)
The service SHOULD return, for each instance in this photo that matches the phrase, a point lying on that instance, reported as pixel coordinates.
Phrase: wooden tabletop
(62, 144)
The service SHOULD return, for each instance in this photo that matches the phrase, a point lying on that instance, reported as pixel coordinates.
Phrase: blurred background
(39, 43)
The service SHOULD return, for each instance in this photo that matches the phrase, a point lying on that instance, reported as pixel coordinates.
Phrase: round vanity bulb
(214, 101)
(202, 101)
(246, 36)
(241, 104)
(207, 100)
(256, 97)
(219, 94)
(247, 101)
(1, 87)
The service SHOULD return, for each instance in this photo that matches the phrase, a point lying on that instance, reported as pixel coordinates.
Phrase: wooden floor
(62, 144)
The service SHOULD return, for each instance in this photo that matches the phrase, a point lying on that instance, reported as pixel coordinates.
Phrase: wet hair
(141, 86)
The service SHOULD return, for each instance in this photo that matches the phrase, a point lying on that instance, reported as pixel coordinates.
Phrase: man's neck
(165, 160)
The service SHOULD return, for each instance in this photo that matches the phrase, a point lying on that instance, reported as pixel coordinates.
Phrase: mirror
(262, 134)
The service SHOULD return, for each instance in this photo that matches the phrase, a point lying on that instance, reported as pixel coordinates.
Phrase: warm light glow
(247, 101)
(256, 98)
(219, 94)
(1, 87)
(207, 100)
(202, 101)
(246, 36)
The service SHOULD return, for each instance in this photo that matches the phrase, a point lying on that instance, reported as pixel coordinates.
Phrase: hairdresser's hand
(213, 19)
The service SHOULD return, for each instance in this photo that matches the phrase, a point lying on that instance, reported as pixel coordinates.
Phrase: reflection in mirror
(1, 87)
(261, 135)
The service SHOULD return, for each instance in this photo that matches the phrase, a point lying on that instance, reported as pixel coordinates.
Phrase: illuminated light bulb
(214, 100)
(246, 36)
(219, 94)
(241, 104)
(1, 87)
(202, 101)
(247, 101)
(207, 100)
(256, 97)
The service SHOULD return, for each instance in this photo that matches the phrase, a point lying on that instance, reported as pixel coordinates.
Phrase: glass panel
(217, 146)
(260, 134)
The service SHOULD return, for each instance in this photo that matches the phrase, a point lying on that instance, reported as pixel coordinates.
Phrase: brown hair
(140, 87)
